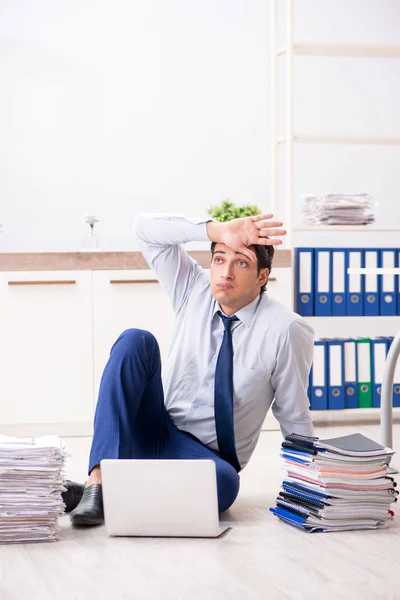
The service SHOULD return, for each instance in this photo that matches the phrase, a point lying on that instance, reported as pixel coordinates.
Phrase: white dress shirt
(272, 346)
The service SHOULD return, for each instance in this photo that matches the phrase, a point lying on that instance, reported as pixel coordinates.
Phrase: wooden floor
(258, 558)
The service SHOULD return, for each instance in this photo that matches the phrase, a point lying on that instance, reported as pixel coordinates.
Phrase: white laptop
(174, 498)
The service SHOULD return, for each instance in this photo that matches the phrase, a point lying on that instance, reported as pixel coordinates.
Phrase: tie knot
(227, 321)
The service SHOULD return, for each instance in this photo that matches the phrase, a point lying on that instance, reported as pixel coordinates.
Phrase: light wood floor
(260, 558)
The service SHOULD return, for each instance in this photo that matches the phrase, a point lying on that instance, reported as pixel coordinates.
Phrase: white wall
(119, 106)
(115, 107)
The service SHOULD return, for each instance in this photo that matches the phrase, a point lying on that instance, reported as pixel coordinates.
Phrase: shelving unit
(346, 50)
(288, 51)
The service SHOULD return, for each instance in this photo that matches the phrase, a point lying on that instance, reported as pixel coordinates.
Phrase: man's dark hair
(264, 254)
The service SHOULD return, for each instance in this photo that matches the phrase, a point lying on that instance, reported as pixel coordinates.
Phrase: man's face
(234, 279)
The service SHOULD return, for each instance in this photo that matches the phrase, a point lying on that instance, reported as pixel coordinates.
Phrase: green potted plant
(228, 210)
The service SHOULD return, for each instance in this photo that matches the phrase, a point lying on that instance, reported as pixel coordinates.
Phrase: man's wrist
(214, 231)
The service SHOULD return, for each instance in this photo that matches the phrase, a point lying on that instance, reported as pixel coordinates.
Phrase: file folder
(350, 374)
(364, 373)
(388, 283)
(322, 271)
(335, 371)
(354, 283)
(304, 265)
(319, 400)
(338, 282)
(378, 359)
(371, 283)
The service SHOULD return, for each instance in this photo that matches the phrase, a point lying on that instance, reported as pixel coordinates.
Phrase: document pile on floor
(31, 482)
(338, 484)
(338, 209)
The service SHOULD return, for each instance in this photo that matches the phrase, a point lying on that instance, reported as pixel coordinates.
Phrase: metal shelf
(353, 318)
(341, 138)
(323, 418)
(344, 50)
(345, 228)
(349, 415)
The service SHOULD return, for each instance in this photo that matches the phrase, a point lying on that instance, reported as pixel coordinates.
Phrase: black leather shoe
(73, 495)
(90, 509)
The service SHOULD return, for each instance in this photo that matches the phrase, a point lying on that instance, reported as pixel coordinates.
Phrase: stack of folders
(338, 209)
(338, 484)
(348, 373)
(31, 482)
(325, 288)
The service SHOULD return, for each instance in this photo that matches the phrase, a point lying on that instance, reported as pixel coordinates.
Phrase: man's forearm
(163, 229)
(160, 237)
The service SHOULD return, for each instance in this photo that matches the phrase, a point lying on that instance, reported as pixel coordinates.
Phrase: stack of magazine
(337, 484)
(338, 209)
(31, 482)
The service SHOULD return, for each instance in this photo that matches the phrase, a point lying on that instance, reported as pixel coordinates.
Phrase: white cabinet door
(46, 347)
(124, 300)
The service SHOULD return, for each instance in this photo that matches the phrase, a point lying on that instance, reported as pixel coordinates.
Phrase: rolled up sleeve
(161, 237)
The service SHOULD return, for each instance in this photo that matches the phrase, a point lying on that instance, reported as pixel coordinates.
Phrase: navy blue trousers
(131, 420)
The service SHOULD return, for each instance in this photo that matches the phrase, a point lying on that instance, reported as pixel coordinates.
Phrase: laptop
(160, 498)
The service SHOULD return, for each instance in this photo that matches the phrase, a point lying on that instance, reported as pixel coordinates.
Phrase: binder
(304, 297)
(335, 372)
(350, 374)
(354, 283)
(371, 283)
(322, 274)
(318, 387)
(364, 386)
(388, 259)
(378, 358)
(338, 282)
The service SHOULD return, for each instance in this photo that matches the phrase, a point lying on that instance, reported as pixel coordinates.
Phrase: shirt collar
(245, 314)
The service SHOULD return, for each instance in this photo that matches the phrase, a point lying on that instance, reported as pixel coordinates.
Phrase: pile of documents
(31, 482)
(339, 484)
(338, 209)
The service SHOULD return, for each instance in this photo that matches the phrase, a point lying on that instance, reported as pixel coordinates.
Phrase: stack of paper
(31, 482)
(338, 209)
(337, 484)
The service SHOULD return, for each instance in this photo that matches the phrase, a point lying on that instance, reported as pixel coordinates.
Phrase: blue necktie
(223, 398)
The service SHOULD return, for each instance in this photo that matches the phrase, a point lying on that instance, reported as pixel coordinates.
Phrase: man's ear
(263, 276)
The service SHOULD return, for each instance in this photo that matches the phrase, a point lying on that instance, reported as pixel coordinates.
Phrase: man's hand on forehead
(239, 234)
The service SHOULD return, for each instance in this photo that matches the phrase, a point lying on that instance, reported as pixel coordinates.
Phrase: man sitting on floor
(234, 352)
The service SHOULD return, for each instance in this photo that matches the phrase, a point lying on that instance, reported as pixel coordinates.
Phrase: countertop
(101, 261)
